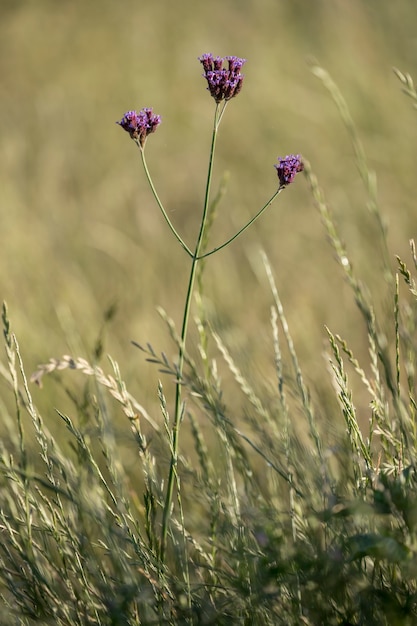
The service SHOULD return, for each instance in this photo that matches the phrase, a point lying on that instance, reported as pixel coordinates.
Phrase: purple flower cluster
(223, 83)
(140, 125)
(288, 167)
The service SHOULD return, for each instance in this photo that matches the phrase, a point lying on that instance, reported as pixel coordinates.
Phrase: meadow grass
(291, 509)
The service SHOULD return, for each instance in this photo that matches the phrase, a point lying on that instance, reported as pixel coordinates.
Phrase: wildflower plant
(224, 82)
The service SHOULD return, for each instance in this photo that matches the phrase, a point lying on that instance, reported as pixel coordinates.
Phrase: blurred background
(80, 230)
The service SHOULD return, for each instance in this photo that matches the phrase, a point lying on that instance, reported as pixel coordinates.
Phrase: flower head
(140, 125)
(287, 167)
(223, 83)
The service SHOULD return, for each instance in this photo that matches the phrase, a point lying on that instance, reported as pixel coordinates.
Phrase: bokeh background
(80, 231)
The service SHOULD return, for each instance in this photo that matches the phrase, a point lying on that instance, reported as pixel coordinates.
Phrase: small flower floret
(140, 125)
(287, 168)
(223, 83)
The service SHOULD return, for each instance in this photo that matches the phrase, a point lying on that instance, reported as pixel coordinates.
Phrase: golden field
(80, 230)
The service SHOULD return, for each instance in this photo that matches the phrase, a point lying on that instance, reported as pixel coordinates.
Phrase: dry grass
(80, 229)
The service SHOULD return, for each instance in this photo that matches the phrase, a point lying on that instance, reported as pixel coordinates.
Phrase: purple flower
(288, 167)
(223, 83)
(140, 125)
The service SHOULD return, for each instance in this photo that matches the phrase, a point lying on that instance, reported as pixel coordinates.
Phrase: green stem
(164, 213)
(187, 308)
(251, 221)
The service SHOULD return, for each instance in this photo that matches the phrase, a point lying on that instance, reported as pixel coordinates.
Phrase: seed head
(223, 83)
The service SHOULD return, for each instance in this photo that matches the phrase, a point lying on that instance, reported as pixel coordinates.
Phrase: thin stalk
(178, 406)
(164, 213)
(251, 221)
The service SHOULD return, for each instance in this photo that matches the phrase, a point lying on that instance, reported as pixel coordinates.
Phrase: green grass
(285, 490)
(268, 526)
